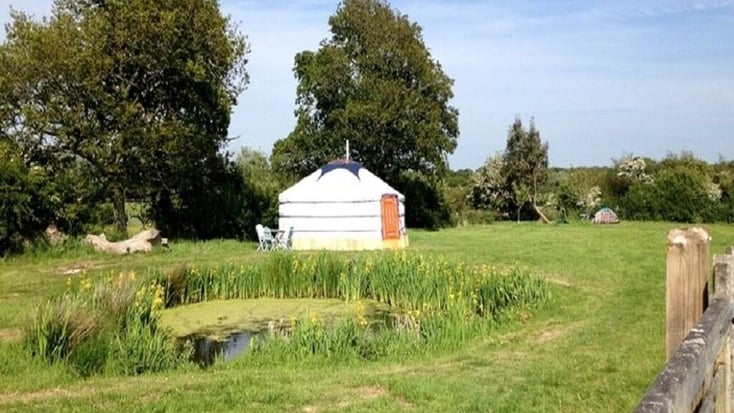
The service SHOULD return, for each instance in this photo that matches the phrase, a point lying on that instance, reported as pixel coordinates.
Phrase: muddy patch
(371, 392)
(550, 334)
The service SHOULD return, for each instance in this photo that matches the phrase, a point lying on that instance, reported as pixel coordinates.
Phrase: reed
(436, 302)
(110, 323)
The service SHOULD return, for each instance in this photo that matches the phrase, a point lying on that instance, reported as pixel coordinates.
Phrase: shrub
(206, 207)
(477, 217)
(428, 207)
(679, 194)
(24, 204)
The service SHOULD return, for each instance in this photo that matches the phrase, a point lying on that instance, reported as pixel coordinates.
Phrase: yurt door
(390, 217)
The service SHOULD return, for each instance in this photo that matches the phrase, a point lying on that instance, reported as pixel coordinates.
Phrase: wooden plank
(686, 295)
(723, 382)
(677, 386)
(712, 397)
(724, 283)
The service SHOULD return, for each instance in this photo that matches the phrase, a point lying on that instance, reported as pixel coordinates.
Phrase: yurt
(605, 216)
(343, 206)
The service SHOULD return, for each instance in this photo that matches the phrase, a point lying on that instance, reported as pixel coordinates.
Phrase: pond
(207, 349)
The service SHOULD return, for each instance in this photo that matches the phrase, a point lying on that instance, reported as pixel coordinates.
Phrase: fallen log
(141, 242)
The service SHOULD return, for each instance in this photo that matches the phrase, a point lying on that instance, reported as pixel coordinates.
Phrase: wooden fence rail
(698, 375)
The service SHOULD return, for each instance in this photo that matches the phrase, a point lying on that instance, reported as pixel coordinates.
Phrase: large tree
(525, 165)
(374, 83)
(141, 91)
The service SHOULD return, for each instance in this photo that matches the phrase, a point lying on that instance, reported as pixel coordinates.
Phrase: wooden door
(390, 217)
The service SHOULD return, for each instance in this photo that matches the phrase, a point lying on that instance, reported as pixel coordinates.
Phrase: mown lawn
(596, 347)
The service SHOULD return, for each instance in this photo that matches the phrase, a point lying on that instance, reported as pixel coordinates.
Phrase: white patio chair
(283, 241)
(265, 239)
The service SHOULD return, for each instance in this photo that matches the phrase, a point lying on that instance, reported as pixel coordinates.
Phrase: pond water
(207, 349)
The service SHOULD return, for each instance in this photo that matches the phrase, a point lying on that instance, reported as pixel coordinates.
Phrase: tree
(24, 202)
(580, 189)
(213, 206)
(632, 168)
(375, 84)
(525, 165)
(262, 187)
(140, 91)
(489, 186)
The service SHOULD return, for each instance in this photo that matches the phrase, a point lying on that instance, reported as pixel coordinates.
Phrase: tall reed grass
(440, 303)
(108, 324)
(408, 282)
(112, 324)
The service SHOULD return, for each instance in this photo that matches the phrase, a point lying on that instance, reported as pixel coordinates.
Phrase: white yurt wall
(338, 207)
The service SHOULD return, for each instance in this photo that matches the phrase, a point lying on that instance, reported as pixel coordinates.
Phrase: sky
(602, 79)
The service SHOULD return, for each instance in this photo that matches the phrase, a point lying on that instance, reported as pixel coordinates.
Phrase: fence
(698, 375)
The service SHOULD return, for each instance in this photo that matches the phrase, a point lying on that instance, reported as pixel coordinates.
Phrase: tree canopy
(140, 91)
(374, 83)
(525, 164)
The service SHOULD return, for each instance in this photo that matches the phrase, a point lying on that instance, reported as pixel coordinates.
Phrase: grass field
(596, 347)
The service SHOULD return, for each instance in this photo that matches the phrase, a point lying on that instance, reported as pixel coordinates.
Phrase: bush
(679, 195)
(477, 217)
(24, 204)
(426, 206)
(207, 207)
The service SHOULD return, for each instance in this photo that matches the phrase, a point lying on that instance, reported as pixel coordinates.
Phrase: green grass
(596, 347)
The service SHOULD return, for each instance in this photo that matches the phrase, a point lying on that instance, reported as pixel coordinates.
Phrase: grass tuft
(108, 324)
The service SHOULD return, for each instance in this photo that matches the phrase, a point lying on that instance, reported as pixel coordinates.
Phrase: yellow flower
(157, 302)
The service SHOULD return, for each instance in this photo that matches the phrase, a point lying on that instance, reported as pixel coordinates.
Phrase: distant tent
(605, 216)
(343, 206)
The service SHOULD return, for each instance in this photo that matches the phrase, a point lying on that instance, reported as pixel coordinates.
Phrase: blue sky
(601, 78)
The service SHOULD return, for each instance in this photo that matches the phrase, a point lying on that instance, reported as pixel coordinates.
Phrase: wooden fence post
(686, 295)
(724, 289)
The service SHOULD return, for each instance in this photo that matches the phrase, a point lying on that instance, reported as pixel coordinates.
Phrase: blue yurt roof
(339, 181)
(351, 166)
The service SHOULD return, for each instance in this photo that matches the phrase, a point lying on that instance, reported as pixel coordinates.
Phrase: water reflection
(207, 349)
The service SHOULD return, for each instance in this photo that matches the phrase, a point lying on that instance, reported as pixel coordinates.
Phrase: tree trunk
(540, 213)
(118, 207)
